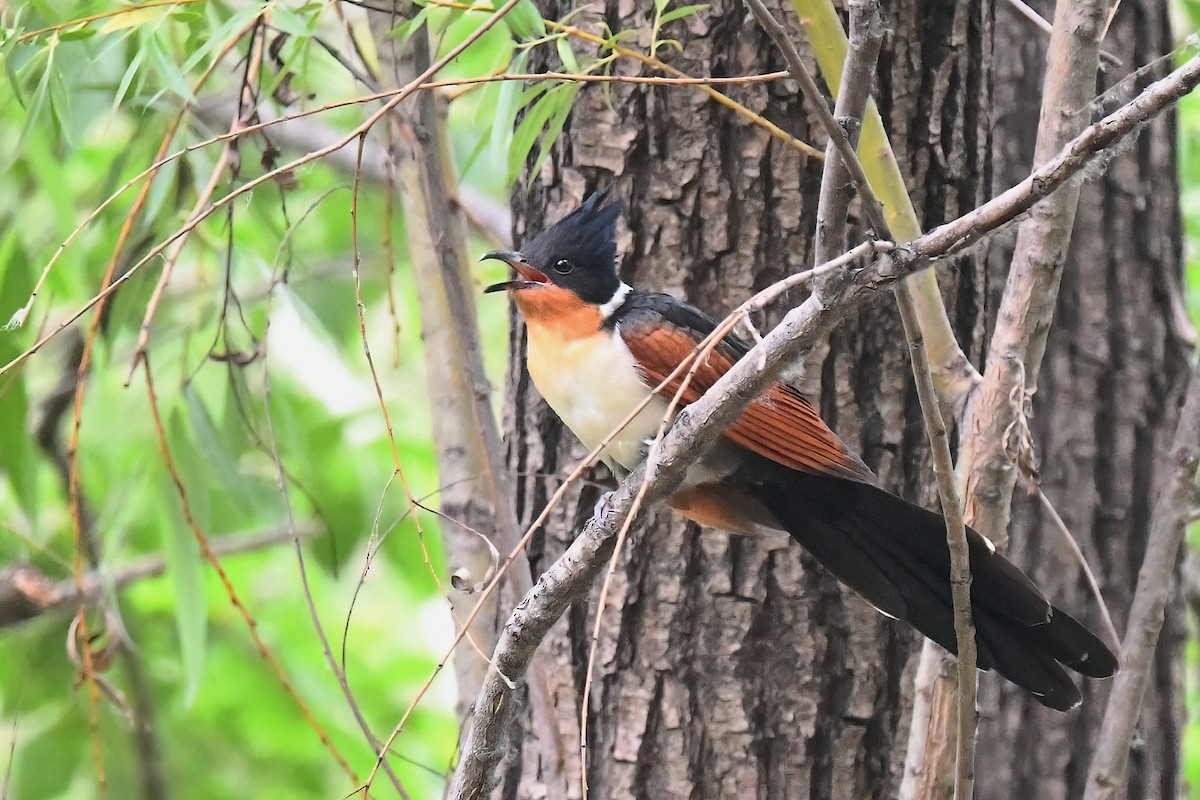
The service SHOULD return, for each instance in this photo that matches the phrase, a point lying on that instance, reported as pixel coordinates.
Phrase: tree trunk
(726, 669)
(1104, 413)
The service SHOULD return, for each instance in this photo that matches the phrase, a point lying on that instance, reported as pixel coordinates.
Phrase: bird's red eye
(563, 267)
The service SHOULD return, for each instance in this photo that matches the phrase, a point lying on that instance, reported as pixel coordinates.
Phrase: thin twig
(1039, 22)
(210, 556)
(83, 537)
(956, 540)
(281, 481)
(26, 592)
(245, 107)
(81, 22)
(171, 258)
(1114, 639)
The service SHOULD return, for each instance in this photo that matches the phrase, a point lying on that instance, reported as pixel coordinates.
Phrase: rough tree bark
(1118, 349)
(726, 669)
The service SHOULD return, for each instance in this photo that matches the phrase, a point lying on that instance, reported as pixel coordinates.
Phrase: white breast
(592, 383)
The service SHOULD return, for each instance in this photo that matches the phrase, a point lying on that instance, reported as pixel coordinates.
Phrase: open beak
(528, 276)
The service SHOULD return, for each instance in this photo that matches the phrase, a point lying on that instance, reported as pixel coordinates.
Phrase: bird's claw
(599, 507)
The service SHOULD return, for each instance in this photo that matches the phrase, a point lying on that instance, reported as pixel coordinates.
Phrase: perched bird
(597, 348)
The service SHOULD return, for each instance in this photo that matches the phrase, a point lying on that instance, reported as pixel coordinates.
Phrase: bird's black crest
(586, 239)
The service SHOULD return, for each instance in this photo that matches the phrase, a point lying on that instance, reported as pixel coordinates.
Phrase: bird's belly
(592, 383)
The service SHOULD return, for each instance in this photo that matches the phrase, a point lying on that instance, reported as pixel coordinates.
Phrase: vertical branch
(1175, 508)
(956, 539)
(281, 483)
(837, 190)
(996, 432)
(437, 253)
(866, 38)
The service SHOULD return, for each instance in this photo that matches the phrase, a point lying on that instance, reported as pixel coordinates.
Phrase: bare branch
(26, 592)
(866, 38)
(698, 426)
(956, 540)
(1175, 508)
(1039, 22)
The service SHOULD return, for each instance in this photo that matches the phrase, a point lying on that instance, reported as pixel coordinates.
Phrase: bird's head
(578, 253)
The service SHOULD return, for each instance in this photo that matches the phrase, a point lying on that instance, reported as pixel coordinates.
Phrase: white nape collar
(617, 300)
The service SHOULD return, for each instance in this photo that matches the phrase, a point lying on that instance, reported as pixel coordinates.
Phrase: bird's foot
(599, 507)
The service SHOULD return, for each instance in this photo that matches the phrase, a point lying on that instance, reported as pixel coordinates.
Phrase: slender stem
(956, 539)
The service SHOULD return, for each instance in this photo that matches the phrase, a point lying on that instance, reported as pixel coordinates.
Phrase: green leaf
(525, 21)
(170, 72)
(186, 566)
(547, 115)
(131, 71)
(508, 103)
(7, 48)
(216, 453)
(480, 147)
(292, 22)
(566, 54)
(527, 132)
(38, 98)
(18, 452)
(213, 42)
(681, 12)
(76, 34)
(406, 29)
(60, 105)
(46, 763)
(554, 126)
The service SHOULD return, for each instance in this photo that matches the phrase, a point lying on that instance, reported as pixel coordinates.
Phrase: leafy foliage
(255, 350)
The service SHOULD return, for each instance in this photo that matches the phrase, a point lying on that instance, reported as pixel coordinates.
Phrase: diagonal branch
(954, 375)
(816, 101)
(1176, 507)
(699, 426)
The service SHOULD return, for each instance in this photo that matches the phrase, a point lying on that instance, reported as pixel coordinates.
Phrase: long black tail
(894, 554)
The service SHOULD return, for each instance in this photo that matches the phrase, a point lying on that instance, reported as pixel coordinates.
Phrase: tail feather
(894, 554)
